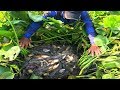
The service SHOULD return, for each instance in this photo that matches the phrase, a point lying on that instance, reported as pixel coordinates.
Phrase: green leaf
(34, 17)
(112, 21)
(116, 31)
(6, 33)
(7, 46)
(115, 12)
(109, 65)
(12, 53)
(23, 15)
(15, 67)
(101, 40)
(3, 69)
(16, 22)
(108, 76)
(110, 58)
(7, 75)
(103, 48)
(98, 74)
(33, 76)
(113, 64)
(108, 21)
(100, 31)
(55, 21)
(2, 52)
(1, 58)
(51, 23)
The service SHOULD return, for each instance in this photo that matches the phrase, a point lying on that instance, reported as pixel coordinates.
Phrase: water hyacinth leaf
(114, 12)
(2, 17)
(117, 64)
(112, 21)
(15, 67)
(3, 69)
(16, 22)
(55, 21)
(101, 40)
(110, 58)
(103, 49)
(1, 24)
(7, 46)
(99, 74)
(19, 14)
(109, 65)
(107, 76)
(112, 64)
(34, 17)
(109, 21)
(1, 58)
(7, 75)
(116, 53)
(116, 31)
(6, 33)
(12, 53)
(5, 40)
(2, 52)
(115, 71)
(101, 32)
(51, 23)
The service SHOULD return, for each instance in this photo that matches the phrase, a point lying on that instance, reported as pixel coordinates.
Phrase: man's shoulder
(45, 12)
(50, 13)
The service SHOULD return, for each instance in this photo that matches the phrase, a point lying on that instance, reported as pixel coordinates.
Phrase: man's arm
(89, 26)
(94, 49)
(34, 26)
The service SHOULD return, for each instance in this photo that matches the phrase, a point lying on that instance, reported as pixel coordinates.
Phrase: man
(66, 17)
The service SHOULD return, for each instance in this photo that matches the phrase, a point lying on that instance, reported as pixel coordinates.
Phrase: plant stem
(59, 36)
(110, 33)
(12, 28)
(87, 65)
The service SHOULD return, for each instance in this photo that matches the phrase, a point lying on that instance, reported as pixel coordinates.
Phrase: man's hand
(94, 50)
(24, 42)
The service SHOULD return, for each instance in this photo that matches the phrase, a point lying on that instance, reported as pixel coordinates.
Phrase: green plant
(107, 64)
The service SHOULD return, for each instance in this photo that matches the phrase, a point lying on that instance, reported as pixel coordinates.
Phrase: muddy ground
(51, 62)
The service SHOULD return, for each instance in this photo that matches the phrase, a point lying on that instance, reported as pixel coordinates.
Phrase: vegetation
(13, 24)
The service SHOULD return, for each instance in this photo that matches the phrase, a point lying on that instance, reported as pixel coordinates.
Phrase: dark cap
(72, 14)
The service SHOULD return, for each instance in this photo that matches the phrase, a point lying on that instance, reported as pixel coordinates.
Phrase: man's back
(65, 14)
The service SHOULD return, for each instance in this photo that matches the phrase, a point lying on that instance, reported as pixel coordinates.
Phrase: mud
(51, 62)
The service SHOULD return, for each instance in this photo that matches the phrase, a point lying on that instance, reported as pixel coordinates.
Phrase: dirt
(51, 62)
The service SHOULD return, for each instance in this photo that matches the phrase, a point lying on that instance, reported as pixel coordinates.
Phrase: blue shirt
(34, 26)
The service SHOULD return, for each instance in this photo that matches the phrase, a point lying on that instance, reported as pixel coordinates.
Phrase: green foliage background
(13, 25)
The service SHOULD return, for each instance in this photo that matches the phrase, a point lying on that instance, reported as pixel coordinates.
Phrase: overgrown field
(13, 25)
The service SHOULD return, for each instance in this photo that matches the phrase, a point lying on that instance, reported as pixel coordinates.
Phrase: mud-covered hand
(94, 50)
(24, 42)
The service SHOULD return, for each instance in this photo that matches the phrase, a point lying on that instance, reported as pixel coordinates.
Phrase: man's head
(72, 14)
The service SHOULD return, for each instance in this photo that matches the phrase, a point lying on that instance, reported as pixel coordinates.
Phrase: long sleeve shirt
(34, 26)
